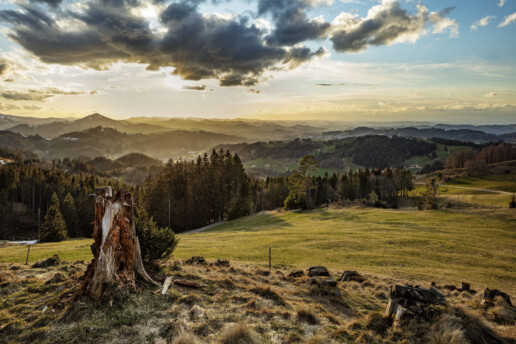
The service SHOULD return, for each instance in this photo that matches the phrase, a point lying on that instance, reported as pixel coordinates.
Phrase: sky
(448, 61)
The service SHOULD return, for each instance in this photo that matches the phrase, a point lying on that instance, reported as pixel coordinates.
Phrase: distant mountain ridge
(110, 143)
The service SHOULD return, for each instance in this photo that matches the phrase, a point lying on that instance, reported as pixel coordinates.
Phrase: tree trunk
(116, 250)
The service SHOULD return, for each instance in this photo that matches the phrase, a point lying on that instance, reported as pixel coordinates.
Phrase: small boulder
(45, 263)
(350, 275)
(318, 271)
(449, 287)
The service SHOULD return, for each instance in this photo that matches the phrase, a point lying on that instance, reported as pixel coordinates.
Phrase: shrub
(239, 334)
(156, 244)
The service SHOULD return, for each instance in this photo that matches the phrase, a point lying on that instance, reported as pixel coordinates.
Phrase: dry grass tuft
(307, 316)
(317, 339)
(502, 313)
(262, 272)
(377, 323)
(269, 294)
(239, 334)
(448, 330)
(186, 339)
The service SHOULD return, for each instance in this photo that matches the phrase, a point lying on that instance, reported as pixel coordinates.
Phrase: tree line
(184, 194)
(302, 190)
(27, 190)
(478, 158)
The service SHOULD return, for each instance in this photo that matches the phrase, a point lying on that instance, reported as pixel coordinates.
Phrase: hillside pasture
(446, 246)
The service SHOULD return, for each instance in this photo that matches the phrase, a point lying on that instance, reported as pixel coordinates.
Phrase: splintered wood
(116, 250)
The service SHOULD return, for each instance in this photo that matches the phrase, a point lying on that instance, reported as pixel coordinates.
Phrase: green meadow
(445, 246)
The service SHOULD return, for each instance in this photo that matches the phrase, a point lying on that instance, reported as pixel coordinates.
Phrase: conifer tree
(54, 226)
(70, 215)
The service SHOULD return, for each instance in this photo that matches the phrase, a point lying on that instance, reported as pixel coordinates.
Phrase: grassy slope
(505, 182)
(442, 246)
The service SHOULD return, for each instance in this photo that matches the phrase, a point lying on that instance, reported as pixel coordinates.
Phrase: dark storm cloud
(386, 24)
(292, 24)
(197, 46)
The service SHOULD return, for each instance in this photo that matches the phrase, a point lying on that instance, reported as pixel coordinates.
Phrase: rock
(296, 274)
(491, 294)
(14, 267)
(318, 271)
(196, 260)
(465, 286)
(351, 276)
(222, 262)
(449, 287)
(45, 263)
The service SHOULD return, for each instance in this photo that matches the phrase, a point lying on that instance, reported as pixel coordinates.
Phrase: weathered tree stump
(411, 300)
(490, 295)
(116, 250)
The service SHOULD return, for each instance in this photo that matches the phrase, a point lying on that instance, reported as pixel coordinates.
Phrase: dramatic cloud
(38, 95)
(198, 46)
(385, 24)
(508, 20)
(482, 22)
(292, 23)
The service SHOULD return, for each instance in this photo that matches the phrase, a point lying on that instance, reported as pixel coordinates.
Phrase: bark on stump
(116, 250)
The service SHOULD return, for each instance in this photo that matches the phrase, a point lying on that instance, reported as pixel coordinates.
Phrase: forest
(182, 195)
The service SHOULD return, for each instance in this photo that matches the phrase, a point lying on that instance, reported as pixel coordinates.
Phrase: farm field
(446, 246)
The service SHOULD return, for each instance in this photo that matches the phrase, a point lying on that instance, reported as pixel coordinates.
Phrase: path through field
(475, 189)
(202, 229)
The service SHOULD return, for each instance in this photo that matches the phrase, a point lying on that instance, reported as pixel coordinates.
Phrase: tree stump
(411, 300)
(116, 250)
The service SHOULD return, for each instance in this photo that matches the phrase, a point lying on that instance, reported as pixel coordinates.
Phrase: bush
(156, 244)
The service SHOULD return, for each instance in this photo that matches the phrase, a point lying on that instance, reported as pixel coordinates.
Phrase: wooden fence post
(27, 259)
(270, 265)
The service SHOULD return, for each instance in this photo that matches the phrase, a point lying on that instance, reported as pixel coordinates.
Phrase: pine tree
(54, 226)
(70, 215)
